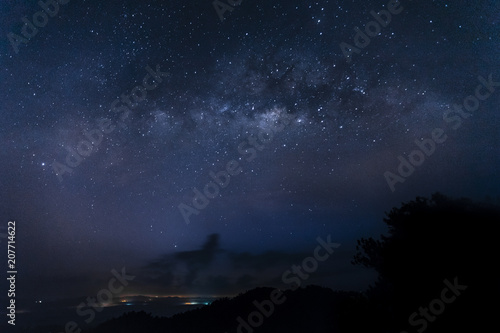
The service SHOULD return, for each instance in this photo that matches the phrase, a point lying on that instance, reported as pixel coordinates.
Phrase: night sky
(310, 136)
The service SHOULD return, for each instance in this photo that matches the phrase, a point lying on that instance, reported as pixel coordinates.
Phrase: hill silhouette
(437, 273)
(309, 309)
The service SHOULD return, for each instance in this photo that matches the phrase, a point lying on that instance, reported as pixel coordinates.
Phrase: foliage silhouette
(430, 241)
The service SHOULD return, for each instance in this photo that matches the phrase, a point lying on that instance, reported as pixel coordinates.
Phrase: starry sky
(95, 178)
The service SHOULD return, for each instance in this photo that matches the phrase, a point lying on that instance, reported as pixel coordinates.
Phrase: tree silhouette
(429, 241)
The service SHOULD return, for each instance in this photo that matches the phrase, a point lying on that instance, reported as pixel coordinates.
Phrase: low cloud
(215, 271)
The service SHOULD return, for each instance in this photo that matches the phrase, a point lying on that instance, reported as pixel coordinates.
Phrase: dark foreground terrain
(437, 273)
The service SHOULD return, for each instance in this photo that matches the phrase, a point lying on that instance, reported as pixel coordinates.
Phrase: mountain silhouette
(436, 273)
(309, 309)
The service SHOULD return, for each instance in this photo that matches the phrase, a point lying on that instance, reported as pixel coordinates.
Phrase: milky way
(115, 115)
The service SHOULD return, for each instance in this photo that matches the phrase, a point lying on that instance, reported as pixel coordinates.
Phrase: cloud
(216, 271)
(264, 260)
(183, 267)
(209, 270)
